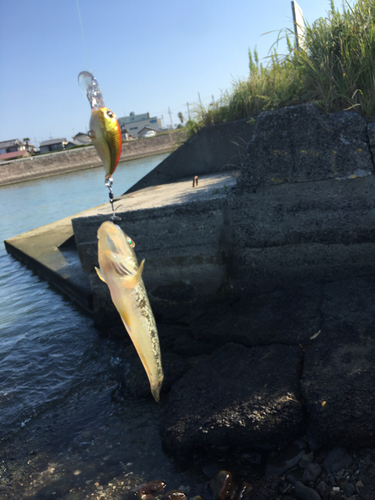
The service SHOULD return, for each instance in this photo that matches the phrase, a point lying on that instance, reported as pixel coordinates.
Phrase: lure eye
(110, 114)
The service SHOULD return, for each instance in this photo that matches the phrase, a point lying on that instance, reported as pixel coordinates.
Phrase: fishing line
(83, 36)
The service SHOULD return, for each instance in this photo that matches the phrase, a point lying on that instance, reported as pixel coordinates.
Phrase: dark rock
(350, 489)
(237, 397)
(278, 463)
(322, 489)
(285, 316)
(136, 380)
(243, 491)
(174, 495)
(306, 460)
(183, 343)
(253, 458)
(222, 486)
(337, 459)
(311, 473)
(266, 488)
(145, 489)
(305, 492)
(338, 380)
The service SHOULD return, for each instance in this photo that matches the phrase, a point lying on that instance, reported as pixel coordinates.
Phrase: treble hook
(109, 183)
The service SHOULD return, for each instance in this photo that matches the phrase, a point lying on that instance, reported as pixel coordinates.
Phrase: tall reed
(335, 68)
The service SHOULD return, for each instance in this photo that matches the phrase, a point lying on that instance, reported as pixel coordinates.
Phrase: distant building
(52, 145)
(14, 154)
(11, 146)
(147, 132)
(81, 138)
(135, 123)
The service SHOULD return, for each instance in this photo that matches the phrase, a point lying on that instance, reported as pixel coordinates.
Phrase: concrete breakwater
(286, 251)
(78, 159)
(266, 272)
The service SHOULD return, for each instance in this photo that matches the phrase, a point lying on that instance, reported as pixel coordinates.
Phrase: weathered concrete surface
(50, 251)
(212, 149)
(303, 232)
(339, 370)
(289, 316)
(302, 143)
(236, 397)
(79, 159)
(183, 239)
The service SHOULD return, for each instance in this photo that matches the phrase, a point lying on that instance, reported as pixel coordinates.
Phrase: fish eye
(110, 114)
(131, 242)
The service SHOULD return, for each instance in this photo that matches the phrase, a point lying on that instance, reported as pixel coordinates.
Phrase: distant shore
(36, 167)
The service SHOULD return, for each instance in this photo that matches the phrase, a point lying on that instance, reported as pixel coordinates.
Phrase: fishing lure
(105, 131)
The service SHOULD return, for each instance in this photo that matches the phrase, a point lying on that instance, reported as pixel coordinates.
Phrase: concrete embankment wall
(302, 212)
(213, 149)
(82, 158)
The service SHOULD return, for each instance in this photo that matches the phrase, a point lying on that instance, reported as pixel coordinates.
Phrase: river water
(67, 429)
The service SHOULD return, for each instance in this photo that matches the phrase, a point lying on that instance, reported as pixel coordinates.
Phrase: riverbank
(36, 167)
(263, 291)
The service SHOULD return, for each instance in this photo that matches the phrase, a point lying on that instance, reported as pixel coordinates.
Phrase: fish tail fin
(99, 273)
(155, 390)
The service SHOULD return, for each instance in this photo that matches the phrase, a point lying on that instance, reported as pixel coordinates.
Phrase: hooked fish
(106, 136)
(120, 271)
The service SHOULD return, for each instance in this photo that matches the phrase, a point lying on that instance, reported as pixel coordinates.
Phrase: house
(11, 146)
(147, 132)
(125, 134)
(81, 138)
(14, 154)
(52, 145)
(135, 123)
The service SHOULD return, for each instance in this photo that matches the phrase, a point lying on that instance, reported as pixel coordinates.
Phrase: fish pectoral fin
(133, 280)
(99, 273)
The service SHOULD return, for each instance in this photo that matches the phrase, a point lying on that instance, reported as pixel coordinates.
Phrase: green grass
(335, 69)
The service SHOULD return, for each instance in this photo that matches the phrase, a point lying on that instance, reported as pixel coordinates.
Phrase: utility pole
(170, 116)
(187, 104)
(199, 96)
(299, 25)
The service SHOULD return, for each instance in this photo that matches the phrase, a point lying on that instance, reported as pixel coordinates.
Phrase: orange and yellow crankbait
(105, 130)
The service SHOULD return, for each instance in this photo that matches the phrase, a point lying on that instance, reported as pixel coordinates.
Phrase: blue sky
(147, 56)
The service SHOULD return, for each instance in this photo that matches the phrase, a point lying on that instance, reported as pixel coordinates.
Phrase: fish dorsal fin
(99, 273)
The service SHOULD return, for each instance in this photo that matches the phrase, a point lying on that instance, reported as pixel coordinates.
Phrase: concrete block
(302, 143)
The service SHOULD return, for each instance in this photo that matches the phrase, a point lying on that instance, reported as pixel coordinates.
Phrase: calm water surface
(65, 426)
